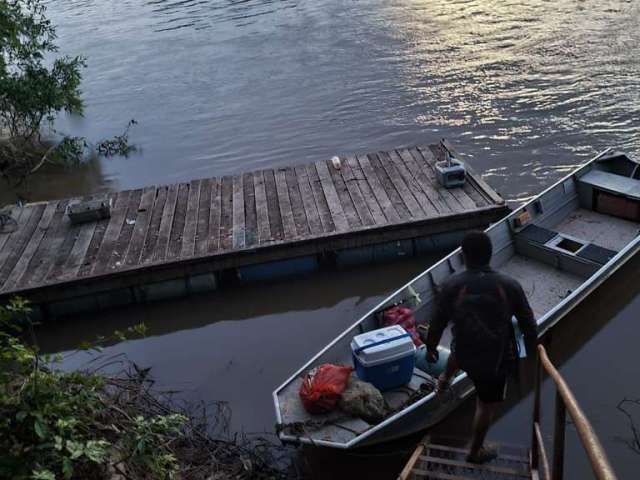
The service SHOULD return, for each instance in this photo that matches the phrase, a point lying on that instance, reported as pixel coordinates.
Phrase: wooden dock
(188, 237)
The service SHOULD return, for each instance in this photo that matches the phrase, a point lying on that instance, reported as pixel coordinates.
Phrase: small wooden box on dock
(184, 238)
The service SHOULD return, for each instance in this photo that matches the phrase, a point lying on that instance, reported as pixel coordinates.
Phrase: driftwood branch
(204, 448)
(634, 443)
(43, 160)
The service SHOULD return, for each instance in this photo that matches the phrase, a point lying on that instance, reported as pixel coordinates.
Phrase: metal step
(447, 461)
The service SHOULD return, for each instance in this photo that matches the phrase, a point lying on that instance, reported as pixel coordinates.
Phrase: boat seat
(610, 182)
(596, 253)
(584, 259)
(536, 234)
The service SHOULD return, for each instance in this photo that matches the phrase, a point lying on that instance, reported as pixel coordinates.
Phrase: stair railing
(565, 403)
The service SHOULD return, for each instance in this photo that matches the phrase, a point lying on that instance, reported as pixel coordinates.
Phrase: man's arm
(526, 319)
(441, 314)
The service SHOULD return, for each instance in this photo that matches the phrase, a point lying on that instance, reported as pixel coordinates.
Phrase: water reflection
(236, 345)
(527, 89)
(57, 182)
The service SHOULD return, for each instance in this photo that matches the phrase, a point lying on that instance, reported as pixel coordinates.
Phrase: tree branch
(635, 443)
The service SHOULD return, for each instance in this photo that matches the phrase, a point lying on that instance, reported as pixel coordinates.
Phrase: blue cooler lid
(382, 345)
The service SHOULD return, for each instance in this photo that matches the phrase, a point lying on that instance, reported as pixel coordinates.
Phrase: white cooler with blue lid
(384, 357)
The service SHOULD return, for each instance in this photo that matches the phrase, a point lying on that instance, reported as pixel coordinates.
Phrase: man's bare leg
(481, 423)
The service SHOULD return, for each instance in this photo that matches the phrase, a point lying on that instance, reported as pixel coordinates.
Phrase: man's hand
(432, 355)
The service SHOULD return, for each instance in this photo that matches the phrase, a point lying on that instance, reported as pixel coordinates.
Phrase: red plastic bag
(322, 387)
(402, 316)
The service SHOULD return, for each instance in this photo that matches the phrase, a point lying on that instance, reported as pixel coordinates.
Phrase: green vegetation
(36, 86)
(57, 424)
(85, 424)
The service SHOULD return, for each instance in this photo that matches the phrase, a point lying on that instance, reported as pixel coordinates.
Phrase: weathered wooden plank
(353, 189)
(415, 209)
(344, 196)
(336, 207)
(179, 221)
(112, 233)
(476, 195)
(275, 218)
(238, 213)
(92, 251)
(308, 201)
(299, 215)
(425, 183)
(21, 216)
(77, 254)
(71, 233)
(204, 208)
(428, 170)
(139, 234)
(389, 187)
(250, 219)
(19, 242)
(378, 190)
(215, 215)
(61, 255)
(191, 221)
(469, 467)
(226, 214)
(164, 232)
(367, 193)
(321, 202)
(16, 213)
(425, 202)
(31, 247)
(49, 246)
(286, 210)
(154, 226)
(465, 200)
(262, 208)
(117, 258)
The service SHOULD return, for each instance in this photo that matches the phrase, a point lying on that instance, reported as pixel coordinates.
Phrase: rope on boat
(8, 224)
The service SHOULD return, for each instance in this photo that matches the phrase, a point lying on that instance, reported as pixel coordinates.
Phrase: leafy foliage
(58, 425)
(35, 86)
(32, 91)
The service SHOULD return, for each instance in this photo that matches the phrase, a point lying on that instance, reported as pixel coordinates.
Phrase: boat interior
(552, 245)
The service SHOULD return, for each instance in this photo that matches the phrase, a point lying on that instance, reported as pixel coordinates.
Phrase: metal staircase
(437, 459)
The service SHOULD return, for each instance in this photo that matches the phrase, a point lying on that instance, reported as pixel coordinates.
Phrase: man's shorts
(490, 387)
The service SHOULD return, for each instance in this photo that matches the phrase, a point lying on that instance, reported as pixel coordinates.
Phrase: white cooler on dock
(384, 357)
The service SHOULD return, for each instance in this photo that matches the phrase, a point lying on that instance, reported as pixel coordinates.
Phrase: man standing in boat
(480, 303)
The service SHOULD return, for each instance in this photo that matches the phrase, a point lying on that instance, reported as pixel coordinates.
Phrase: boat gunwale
(543, 323)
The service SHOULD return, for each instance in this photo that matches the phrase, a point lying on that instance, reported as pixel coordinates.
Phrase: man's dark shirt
(482, 281)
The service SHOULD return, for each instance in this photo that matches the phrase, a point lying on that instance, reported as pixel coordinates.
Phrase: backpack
(481, 331)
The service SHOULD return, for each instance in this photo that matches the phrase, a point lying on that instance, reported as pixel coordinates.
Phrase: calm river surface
(526, 89)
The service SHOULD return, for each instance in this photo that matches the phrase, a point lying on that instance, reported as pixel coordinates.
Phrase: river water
(526, 90)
